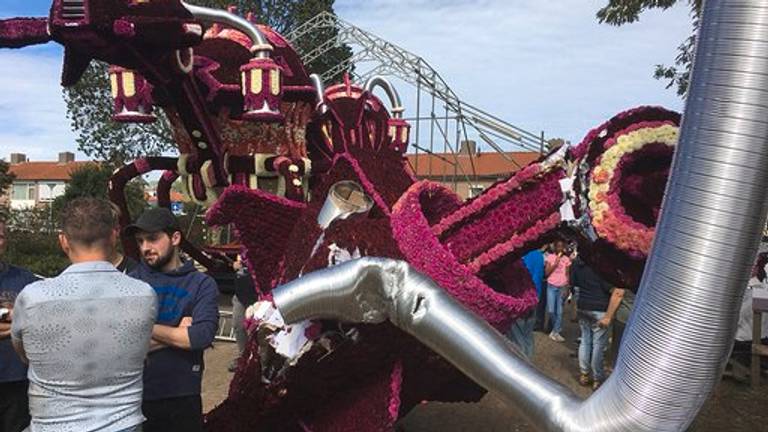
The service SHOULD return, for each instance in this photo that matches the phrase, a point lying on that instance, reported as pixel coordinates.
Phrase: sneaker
(556, 337)
(584, 379)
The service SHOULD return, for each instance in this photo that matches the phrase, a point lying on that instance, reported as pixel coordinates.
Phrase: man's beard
(161, 261)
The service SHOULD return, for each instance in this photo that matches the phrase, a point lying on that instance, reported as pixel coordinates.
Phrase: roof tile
(40, 171)
(490, 164)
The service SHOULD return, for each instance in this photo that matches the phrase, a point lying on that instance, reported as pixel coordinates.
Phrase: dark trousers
(182, 414)
(618, 334)
(541, 313)
(14, 406)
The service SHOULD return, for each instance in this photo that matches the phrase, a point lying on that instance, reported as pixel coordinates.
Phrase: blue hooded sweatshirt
(184, 292)
(12, 280)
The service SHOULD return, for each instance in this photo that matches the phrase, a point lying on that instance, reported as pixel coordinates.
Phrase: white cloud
(32, 111)
(541, 65)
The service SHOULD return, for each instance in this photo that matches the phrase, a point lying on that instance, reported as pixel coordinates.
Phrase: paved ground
(733, 406)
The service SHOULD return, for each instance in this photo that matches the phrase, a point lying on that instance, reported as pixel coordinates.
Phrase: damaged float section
(378, 291)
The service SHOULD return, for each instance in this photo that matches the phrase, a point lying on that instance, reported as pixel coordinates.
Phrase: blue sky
(541, 65)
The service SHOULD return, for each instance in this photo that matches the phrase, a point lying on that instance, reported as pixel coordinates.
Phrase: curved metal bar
(394, 97)
(261, 45)
(317, 83)
(119, 180)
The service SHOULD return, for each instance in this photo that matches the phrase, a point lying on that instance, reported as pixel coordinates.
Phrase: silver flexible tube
(682, 327)
(372, 290)
(261, 45)
(714, 210)
(390, 90)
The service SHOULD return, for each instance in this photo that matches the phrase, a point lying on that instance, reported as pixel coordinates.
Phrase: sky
(540, 65)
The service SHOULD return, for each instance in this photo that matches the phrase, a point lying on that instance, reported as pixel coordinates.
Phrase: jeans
(521, 333)
(618, 333)
(594, 340)
(541, 311)
(555, 307)
(238, 318)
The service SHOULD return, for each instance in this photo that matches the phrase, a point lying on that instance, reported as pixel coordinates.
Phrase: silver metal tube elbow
(372, 290)
(390, 90)
(261, 46)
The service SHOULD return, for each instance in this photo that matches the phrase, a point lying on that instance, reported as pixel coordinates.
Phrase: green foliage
(619, 12)
(89, 108)
(37, 252)
(92, 181)
(89, 102)
(6, 179)
(33, 242)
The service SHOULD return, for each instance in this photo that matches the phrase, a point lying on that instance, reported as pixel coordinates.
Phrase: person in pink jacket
(557, 267)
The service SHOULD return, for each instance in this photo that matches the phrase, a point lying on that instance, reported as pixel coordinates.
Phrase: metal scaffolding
(461, 121)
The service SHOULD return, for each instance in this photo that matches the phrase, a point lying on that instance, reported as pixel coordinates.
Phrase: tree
(89, 103)
(620, 12)
(33, 243)
(92, 180)
(6, 180)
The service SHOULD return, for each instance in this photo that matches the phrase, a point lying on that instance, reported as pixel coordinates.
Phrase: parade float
(378, 291)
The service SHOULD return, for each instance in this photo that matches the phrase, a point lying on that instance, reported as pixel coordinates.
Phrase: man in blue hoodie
(14, 405)
(187, 322)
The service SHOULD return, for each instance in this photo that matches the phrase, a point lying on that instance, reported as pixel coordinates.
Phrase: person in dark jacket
(187, 322)
(596, 307)
(14, 403)
(245, 295)
(521, 331)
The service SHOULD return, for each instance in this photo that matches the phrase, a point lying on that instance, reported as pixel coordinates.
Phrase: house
(177, 199)
(468, 172)
(39, 183)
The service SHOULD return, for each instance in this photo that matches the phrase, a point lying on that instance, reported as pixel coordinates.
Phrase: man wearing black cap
(187, 322)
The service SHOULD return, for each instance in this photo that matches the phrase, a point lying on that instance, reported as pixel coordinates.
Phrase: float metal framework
(441, 120)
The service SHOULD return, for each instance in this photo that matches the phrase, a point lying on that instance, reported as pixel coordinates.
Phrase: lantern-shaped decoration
(132, 95)
(261, 80)
(399, 133)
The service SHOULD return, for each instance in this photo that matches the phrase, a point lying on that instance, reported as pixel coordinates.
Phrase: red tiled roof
(490, 164)
(36, 171)
(175, 197)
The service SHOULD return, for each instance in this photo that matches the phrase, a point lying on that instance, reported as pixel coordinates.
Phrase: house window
(23, 191)
(475, 190)
(49, 191)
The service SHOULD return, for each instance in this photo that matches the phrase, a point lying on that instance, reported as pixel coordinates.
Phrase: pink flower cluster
(263, 222)
(424, 251)
(609, 215)
(489, 197)
(516, 242)
(593, 142)
(509, 216)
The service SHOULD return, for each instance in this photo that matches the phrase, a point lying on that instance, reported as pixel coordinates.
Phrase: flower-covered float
(311, 177)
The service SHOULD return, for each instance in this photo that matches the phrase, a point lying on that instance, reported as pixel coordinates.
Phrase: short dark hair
(88, 221)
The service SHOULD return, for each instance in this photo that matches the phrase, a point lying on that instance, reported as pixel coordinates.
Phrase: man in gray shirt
(86, 332)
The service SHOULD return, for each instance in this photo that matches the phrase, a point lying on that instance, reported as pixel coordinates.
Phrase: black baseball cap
(153, 220)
